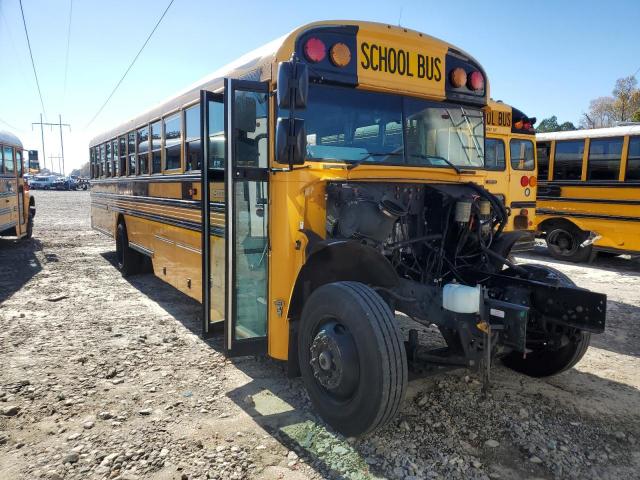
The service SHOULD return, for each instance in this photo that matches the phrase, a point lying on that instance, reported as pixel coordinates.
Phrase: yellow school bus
(17, 207)
(510, 161)
(589, 194)
(310, 189)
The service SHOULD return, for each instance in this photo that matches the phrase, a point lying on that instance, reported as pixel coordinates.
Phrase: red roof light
(315, 50)
(476, 81)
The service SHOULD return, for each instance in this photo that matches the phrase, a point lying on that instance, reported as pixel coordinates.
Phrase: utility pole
(44, 154)
(59, 125)
(51, 159)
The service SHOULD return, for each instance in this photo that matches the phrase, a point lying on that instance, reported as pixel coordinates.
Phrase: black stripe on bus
(580, 183)
(588, 200)
(148, 178)
(620, 218)
(171, 202)
(194, 226)
(523, 204)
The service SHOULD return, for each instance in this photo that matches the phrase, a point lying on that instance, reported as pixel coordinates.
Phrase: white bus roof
(9, 138)
(590, 133)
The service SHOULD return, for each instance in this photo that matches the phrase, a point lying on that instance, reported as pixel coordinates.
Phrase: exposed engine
(431, 234)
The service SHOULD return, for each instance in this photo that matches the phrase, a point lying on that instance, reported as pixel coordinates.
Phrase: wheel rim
(334, 360)
(563, 242)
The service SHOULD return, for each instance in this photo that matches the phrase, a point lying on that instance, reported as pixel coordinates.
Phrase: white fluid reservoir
(460, 298)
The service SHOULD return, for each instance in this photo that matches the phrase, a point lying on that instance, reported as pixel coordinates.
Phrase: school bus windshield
(356, 126)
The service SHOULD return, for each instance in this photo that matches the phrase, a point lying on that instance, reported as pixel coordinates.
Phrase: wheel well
(553, 223)
(332, 262)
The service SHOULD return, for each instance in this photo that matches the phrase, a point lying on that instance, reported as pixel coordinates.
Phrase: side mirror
(293, 85)
(291, 141)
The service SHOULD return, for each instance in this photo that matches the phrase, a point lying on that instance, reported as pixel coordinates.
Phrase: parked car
(42, 182)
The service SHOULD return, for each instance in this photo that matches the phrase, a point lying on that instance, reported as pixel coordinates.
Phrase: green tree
(566, 126)
(551, 125)
(636, 116)
(548, 125)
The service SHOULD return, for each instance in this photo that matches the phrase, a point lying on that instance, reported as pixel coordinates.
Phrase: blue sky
(545, 57)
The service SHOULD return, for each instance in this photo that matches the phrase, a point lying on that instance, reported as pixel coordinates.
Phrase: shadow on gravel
(622, 332)
(18, 264)
(623, 265)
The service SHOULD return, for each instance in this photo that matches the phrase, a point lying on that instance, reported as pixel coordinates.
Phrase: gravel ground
(102, 377)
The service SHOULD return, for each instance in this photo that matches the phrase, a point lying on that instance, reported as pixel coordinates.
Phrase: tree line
(623, 105)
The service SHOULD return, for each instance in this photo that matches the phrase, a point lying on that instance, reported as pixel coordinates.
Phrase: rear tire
(565, 244)
(128, 260)
(547, 362)
(352, 357)
(29, 226)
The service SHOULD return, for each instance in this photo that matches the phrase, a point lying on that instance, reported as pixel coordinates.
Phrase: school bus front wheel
(352, 357)
(546, 358)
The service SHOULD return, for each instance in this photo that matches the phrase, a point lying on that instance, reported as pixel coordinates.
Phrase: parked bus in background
(510, 160)
(17, 207)
(313, 187)
(589, 193)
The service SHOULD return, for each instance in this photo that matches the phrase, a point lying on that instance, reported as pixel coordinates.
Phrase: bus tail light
(533, 181)
(476, 81)
(524, 181)
(340, 55)
(524, 212)
(458, 77)
(315, 50)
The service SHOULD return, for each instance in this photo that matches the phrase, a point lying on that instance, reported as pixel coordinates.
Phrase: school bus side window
(568, 160)
(131, 145)
(108, 161)
(115, 154)
(103, 157)
(172, 142)
(633, 162)
(604, 159)
(156, 146)
(192, 137)
(494, 154)
(143, 151)
(1, 159)
(9, 165)
(19, 162)
(522, 157)
(123, 155)
(544, 150)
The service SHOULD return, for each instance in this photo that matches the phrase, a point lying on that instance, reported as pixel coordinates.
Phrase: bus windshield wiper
(353, 165)
(465, 115)
(436, 157)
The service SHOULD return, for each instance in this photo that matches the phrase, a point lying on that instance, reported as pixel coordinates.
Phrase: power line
(33, 64)
(66, 59)
(130, 65)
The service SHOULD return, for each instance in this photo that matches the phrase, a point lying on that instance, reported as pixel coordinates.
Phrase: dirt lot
(102, 377)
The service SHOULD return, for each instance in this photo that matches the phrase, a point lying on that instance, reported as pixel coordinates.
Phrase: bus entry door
(246, 210)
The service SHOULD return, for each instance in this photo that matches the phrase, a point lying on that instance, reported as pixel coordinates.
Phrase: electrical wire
(66, 58)
(33, 63)
(130, 65)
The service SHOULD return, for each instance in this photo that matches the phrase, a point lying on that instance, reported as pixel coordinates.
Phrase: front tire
(128, 260)
(352, 357)
(545, 362)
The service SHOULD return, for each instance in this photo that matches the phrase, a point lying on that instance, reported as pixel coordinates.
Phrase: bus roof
(590, 133)
(255, 65)
(9, 138)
